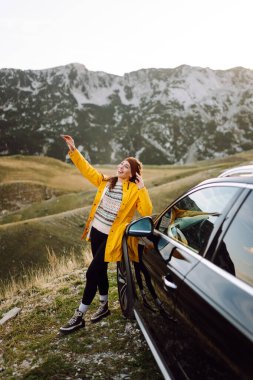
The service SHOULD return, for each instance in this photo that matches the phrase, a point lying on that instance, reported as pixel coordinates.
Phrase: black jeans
(96, 275)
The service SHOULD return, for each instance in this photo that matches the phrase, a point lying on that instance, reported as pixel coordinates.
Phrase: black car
(192, 290)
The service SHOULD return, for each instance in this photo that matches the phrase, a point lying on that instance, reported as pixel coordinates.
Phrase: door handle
(168, 283)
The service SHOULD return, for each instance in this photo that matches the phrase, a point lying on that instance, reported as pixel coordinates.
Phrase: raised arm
(87, 170)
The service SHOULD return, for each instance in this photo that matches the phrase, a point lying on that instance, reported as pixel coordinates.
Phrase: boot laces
(75, 317)
(101, 308)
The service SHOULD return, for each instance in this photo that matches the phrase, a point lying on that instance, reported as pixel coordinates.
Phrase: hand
(69, 141)
(139, 181)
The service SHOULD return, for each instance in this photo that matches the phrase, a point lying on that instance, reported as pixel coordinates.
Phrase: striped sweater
(108, 209)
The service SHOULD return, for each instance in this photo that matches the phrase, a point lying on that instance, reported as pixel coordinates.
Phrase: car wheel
(125, 289)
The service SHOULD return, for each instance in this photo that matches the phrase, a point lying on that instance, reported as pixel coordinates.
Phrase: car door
(214, 313)
(231, 294)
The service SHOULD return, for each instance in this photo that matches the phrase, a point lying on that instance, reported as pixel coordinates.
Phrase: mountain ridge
(159, 115)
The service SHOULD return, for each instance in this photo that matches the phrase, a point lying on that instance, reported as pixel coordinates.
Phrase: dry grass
(66, 177)
(44, 170)
(40, 278)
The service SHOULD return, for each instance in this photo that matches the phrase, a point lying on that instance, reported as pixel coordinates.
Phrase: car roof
(238, 171)
(238, 174)
(239, 180)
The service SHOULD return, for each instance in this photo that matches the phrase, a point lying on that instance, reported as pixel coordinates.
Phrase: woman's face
(124, 170)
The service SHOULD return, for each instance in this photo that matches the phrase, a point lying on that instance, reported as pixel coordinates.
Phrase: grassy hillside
(32, 349)
(57, 222)
(24, 245)
(45, 170)
(62, 188)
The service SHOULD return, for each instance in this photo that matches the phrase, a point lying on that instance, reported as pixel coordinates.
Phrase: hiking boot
(75, 323)
(101, 312)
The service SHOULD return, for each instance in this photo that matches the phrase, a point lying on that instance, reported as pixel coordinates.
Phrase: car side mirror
(140, 227)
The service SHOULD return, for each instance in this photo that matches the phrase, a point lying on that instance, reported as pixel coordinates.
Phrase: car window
(191, 220)
(235, 254)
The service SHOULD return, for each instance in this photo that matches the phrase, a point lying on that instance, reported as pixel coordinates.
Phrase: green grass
(32, 347)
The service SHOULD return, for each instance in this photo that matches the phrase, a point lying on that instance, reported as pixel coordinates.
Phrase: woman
(113, 208)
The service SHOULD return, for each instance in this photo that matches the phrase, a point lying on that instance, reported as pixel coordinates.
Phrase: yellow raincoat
(133, 199)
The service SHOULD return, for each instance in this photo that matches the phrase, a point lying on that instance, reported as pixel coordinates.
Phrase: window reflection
(223, 259)
(239, 244)
(148, 295)
(191, 220)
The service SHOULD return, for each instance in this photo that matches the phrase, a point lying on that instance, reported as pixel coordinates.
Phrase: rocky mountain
(159, 115)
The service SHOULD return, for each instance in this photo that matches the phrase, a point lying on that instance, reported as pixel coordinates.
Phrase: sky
(120, 36)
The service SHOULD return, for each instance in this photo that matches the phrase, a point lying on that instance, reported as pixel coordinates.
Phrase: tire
(125, 284)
